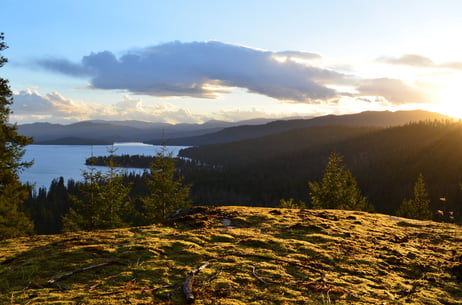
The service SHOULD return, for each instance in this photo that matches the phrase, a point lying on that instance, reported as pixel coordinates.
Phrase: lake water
(68, 161)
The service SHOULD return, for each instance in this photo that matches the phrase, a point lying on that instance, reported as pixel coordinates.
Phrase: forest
(386, 163)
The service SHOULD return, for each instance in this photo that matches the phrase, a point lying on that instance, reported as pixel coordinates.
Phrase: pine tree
(417, 207)
(13, 220)
(114, 201)
(104, 201)
(338, 188)
(167, 193)
(83, 214)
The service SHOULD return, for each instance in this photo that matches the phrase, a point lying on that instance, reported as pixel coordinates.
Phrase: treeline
(132, 161)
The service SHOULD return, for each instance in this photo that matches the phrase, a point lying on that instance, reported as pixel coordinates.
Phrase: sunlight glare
(450, 102)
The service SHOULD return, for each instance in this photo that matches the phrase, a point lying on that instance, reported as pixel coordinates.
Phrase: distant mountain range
(368, 118)
(103, 132)
(212, 132)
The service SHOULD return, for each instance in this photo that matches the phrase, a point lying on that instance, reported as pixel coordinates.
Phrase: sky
(195, 61)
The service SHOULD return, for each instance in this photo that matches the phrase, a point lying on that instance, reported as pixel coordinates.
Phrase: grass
(266, 256)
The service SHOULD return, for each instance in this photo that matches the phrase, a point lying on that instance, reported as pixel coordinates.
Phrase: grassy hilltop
(255, 255)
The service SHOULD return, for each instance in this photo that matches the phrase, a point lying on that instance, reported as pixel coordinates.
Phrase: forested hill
(385, 161)
(243, 132)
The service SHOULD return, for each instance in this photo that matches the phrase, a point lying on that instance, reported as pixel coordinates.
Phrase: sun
(450, 102)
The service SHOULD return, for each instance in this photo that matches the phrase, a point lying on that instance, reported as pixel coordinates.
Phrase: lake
(68, 161)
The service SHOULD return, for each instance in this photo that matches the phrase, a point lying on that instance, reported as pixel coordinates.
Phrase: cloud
(31, 106)
(419, 61)
(299, 55)
(413, 60)
(394, 90)
(204, 70)
(31, 102)
(455, 65)
(131, 108)
(64, 66)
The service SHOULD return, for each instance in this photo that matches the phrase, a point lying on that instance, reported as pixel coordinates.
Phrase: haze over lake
(68, 161)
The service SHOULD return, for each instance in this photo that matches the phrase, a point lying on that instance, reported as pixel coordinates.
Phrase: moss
(379, 261)
(221, 238)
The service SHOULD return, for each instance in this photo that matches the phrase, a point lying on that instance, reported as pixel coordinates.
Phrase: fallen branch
(66, 275)
(188, 283)
(259, 278)
(213, 276)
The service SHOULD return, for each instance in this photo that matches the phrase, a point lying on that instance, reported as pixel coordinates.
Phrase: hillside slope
(367, 118)
(255, 255)
(386, 162)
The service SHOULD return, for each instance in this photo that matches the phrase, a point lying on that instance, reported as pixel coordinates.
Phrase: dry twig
(259, 278)
(66, 275)
(188, 283)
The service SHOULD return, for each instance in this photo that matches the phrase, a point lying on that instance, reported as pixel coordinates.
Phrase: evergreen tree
(114, 199)
(103, 204)
(167, 192)
(13, 220)
(84, 207)
(417, 207)
(338, 188)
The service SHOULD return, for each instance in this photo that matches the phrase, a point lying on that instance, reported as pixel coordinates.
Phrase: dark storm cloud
(197, 69)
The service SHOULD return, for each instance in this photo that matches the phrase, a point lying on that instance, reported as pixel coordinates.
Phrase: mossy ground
(257, 256)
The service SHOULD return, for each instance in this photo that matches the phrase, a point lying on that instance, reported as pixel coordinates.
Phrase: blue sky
(193, 61)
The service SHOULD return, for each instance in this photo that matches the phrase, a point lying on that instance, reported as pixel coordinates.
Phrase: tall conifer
(13, 220)
(103, 202)
(417, 207)
(167, 192)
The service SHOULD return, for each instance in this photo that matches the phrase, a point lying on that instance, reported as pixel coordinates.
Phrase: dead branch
(259, 278)
(213, 276)
(188, 283)
(66, 275)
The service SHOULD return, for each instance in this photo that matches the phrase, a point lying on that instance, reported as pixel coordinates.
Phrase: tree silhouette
(417, 207)
(13, 220)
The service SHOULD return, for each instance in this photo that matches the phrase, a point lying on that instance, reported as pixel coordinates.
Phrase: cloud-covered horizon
(204, 70)
(31, 106)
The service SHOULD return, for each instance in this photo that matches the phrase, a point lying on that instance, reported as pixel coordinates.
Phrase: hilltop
(255, 256)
